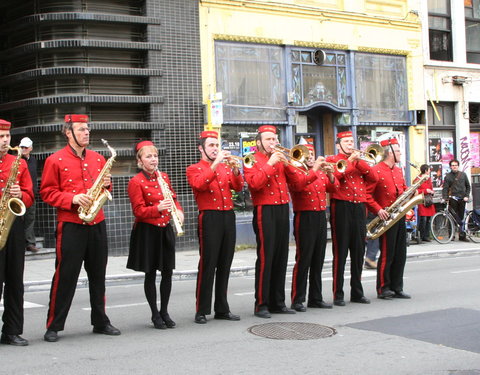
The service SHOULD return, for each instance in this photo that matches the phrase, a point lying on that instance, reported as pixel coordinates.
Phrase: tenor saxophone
(10, 207)
(168, 195)
(97, 193)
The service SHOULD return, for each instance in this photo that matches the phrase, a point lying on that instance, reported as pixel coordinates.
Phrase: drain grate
(292, 331)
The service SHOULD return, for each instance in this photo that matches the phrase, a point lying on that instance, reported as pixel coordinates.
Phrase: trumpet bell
(249, 161)
(374, 153)
(299, 153)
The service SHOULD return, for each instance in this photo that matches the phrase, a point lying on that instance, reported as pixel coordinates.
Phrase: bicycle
(443, 225)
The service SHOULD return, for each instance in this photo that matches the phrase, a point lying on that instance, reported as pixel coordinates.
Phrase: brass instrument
(340, 165)
(10, 207)
(247, 160)
(297, 156)
(168, 195)
(97, 192)
(397, 210)
(373, 154)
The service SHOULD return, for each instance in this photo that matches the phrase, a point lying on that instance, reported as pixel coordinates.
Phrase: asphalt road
(436, 332)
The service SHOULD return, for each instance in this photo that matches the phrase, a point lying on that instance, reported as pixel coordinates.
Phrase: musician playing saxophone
(67, 176)
(12, 256)
(393, 246)
(152, 240)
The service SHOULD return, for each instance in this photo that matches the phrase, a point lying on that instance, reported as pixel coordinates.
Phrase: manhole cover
(292, 331)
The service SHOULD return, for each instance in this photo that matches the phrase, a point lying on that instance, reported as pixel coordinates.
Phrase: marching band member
(12, 256)
(67, 175)
(212, 181)
(393, 243)
(348, 219)
(152, 241)
(267, 182)
(310, 230)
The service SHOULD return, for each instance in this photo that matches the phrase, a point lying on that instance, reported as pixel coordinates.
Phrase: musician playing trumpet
(212, 181)
(310, 230)
(393, 246)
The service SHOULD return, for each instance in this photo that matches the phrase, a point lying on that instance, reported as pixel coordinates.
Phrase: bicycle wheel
(442, 227)
(472, 228)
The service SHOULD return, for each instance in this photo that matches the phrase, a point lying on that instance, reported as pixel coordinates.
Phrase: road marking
(118, 306)
(26, 305)
(244, 294)
(465, 271)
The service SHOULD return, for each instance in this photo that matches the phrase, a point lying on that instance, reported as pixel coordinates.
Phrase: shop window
(440, 30)
(472, 30)
(381, 88)
(251, 78)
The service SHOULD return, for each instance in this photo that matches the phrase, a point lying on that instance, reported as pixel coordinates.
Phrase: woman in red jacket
(425, 212)
(152, 241)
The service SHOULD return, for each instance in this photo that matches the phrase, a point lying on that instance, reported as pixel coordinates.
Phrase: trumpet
(233, 160)
(373, 154)
(340, 165)
(297, 156)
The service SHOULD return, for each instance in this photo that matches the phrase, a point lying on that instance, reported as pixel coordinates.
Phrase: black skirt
(151, 248)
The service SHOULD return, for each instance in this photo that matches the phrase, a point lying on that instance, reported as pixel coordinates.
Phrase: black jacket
(456, 185)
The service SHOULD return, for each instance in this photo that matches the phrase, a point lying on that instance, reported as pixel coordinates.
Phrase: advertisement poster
(475, 150)
(437, 176)
(447, 151)
(435, 147)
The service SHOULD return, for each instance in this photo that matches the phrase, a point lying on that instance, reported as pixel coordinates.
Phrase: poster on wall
(475, 150)
(435, 147)
(447, 150)
(437, 176)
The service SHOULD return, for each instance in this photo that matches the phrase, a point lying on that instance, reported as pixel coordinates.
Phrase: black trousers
(310, 231)
(12, 264)
(216, 235)
(271, 226)
(348, 223)
(78, 244)
(424, 227)
(457, 208)
(393, 256)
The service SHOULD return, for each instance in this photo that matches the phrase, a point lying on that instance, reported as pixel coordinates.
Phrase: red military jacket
(389, 187)
(268, 184)
(422, 210)
(145, 194)
(310, 192)
(65, 175)
(212, 189)
(353, 183)
(23, 178)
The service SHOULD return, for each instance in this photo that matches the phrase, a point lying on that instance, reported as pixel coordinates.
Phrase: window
(440, 31)
(472, 30)
(251, 78)
(381, 88)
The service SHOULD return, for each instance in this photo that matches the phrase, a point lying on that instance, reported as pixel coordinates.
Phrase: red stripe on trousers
(297, 258)
(333, 228)
(261, 254)
(200, 261)
(383, 264)
(56, 278)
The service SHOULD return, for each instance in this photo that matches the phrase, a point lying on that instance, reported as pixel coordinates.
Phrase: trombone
(373, 154)
(233, 160)
(297, 156)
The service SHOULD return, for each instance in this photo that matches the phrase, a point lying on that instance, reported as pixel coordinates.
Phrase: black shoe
(168, 321)
(464, 239)
(320, 305)
(401, 294)
(426, 240)
(50, 336)
(15, 340)
(362, 299)
(263, 313)
(107, 330)
(386, 294)
(226, 316)
(299, 307)
(339, 302)
(158, 323)
(283, 310)
(200, 318)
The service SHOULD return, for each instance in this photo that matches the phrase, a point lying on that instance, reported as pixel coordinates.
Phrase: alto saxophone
(397, 210)
(168, 195)
(97, 192)
(10, 207)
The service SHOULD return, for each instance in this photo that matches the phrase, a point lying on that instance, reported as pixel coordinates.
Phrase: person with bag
(426, 210)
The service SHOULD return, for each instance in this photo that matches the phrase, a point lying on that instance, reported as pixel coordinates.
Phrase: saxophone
(10, 207)
(97, 192)
(168, 195)
(397, 210)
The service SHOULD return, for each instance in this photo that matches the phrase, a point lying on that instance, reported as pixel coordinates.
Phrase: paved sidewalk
(39, 268)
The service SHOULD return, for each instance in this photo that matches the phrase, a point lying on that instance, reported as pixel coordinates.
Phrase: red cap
(390, 141)
(267, 128)
(310, 147)
(5, 125)
(143, 144)
(344, 134)
(208, 134)
(75, 118)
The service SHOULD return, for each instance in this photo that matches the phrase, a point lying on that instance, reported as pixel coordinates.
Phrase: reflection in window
(440, 30)
(381, 88)
(251, 79)
(472, 30)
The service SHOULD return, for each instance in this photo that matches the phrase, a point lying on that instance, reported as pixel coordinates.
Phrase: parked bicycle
(443, 225)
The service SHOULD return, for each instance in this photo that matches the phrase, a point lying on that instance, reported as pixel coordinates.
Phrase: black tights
(151, 291)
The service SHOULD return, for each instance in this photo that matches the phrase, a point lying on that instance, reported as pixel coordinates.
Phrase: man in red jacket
(310, 229)
(12, 256)
(393, 243)
(348, 219)
(212, 182)
(67, 175)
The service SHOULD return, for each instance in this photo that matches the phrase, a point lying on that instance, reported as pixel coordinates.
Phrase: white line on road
(464, 271)
(118, 306)
(26, 305)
